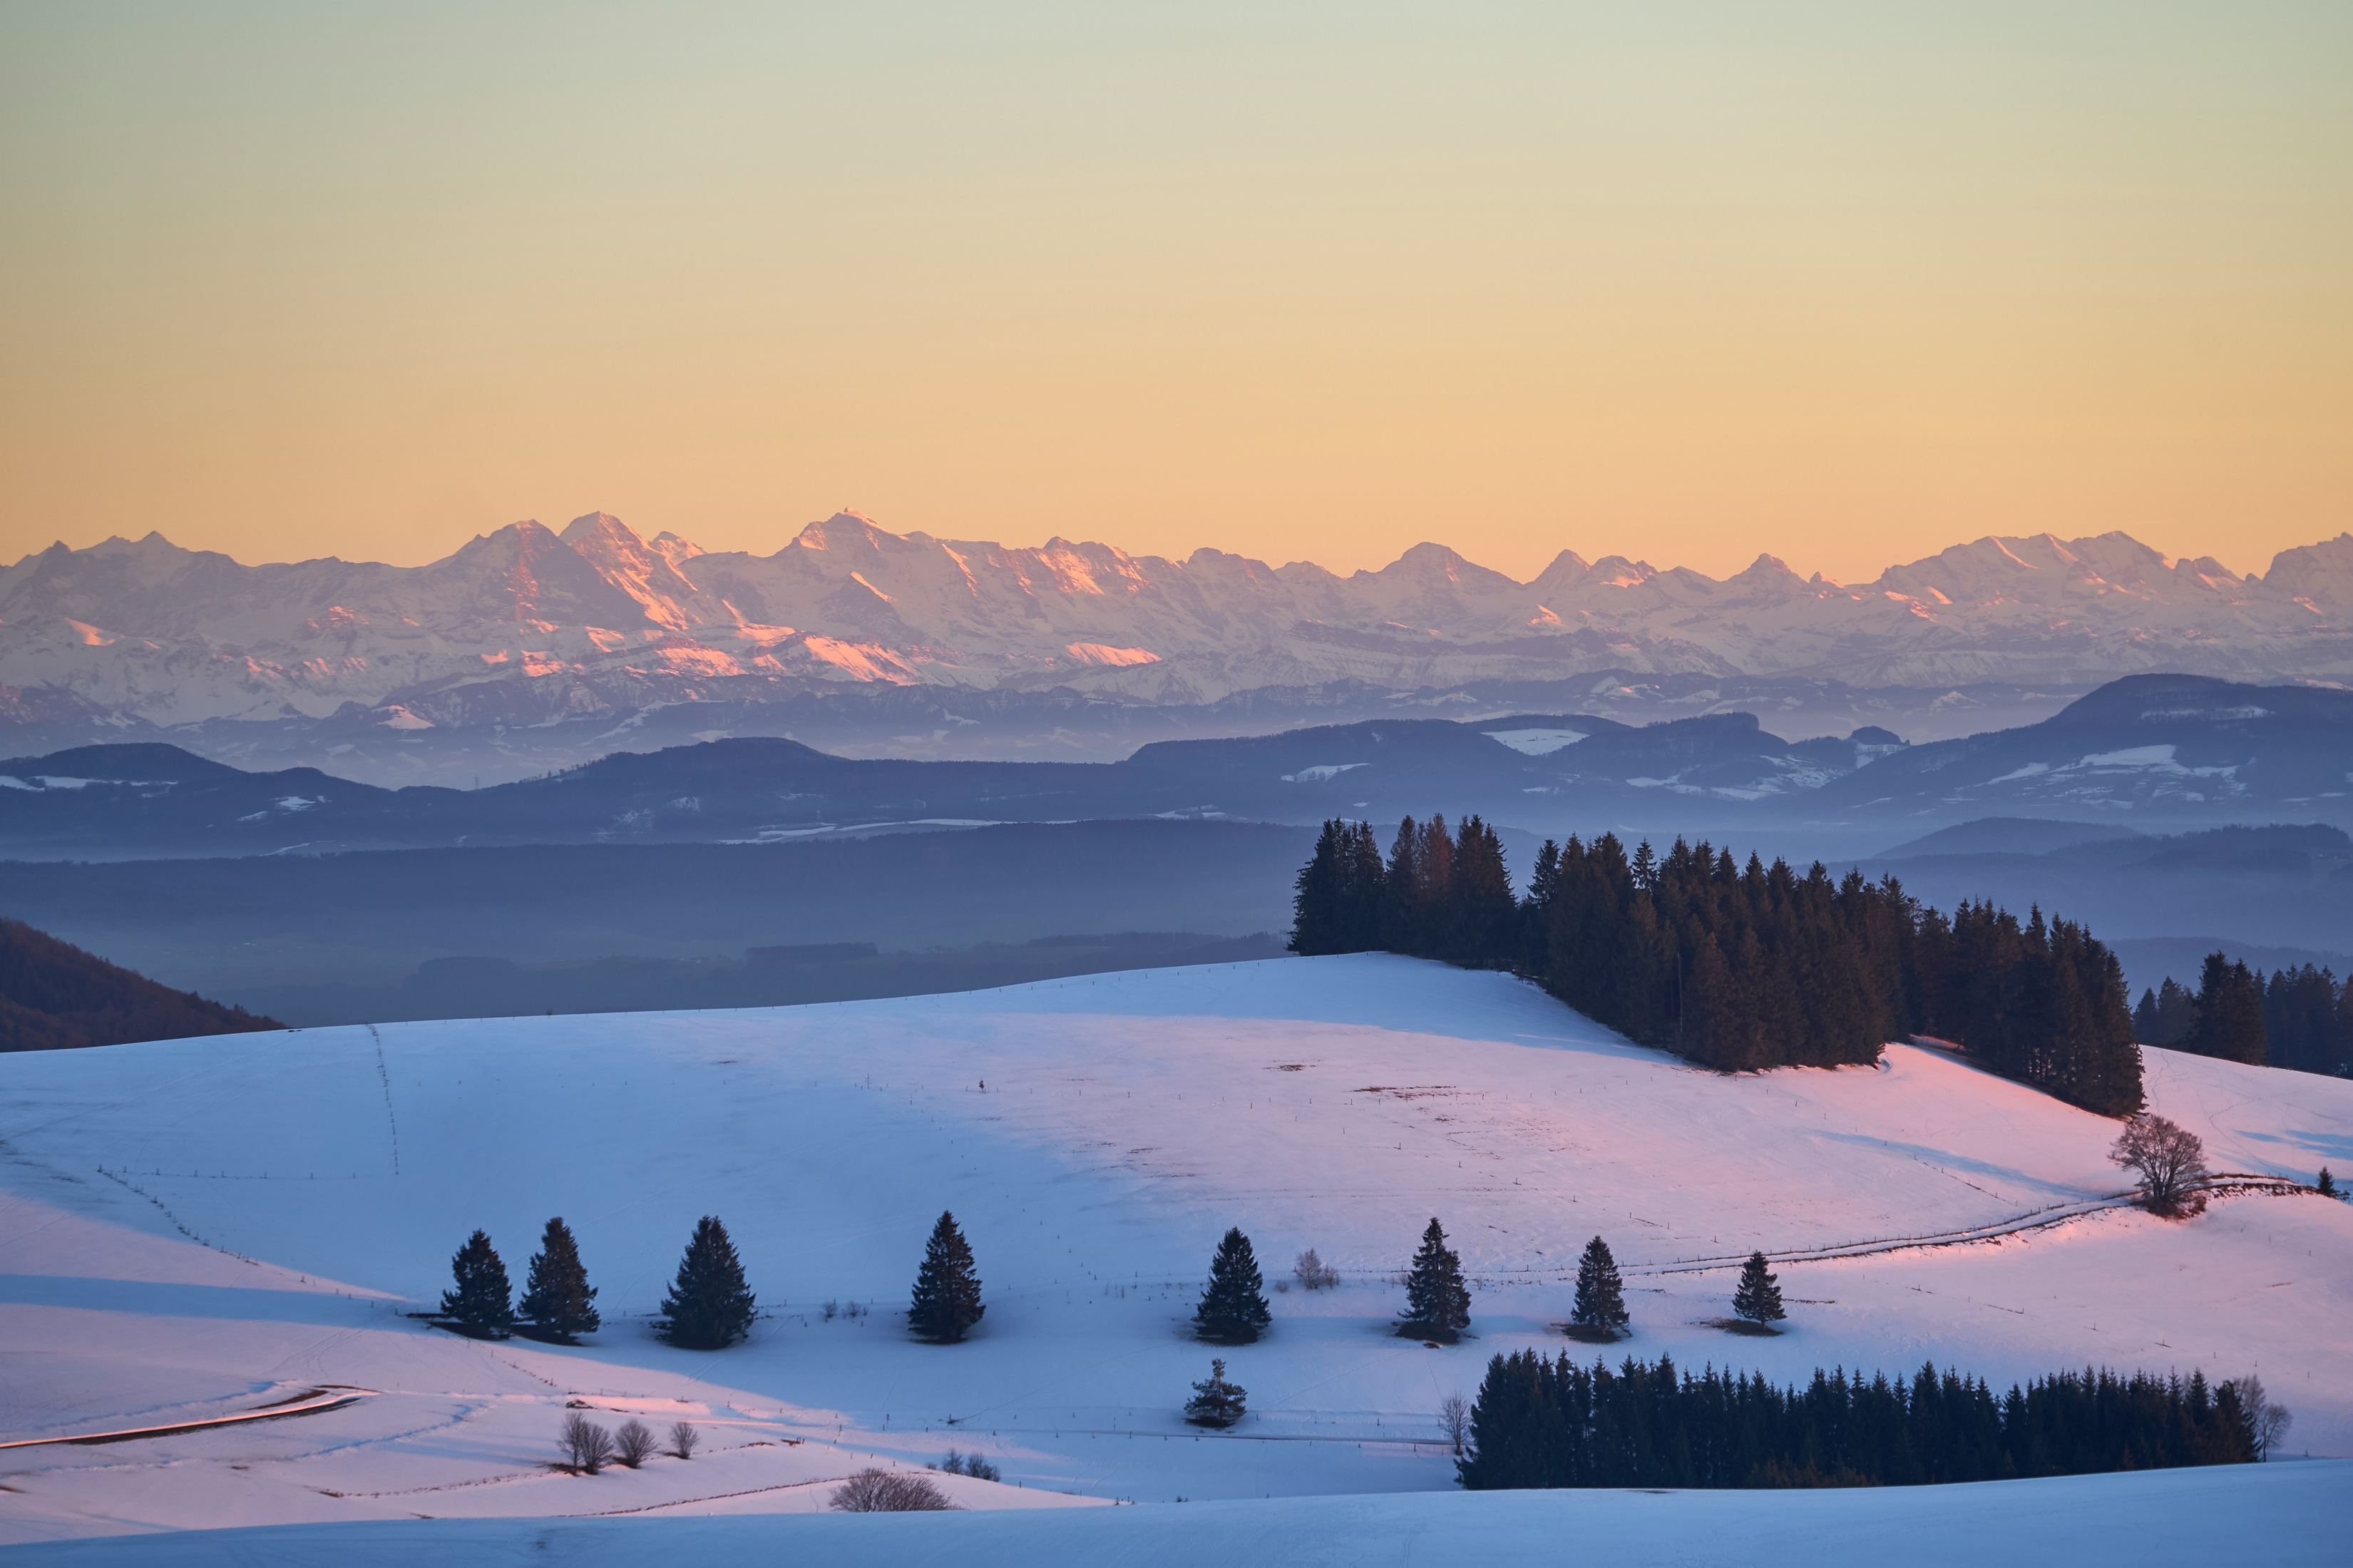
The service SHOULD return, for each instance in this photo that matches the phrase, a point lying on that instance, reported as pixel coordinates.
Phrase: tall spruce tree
(1482, 916)
(557, 1300)
(1233, 1309)
(1318, 911)
(479, 1303)
(709, 1306)
(1758, 1296)
(2176, 1008)
(1600, 1305)
(2227, 1020)
(948, 1291)
(1437, 1301)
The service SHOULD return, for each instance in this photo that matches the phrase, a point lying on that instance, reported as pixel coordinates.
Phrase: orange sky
(1844, 282)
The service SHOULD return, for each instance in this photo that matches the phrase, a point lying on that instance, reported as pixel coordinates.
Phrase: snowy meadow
(201, 1229)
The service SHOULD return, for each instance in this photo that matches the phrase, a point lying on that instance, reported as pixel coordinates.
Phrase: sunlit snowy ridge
(196, 1229)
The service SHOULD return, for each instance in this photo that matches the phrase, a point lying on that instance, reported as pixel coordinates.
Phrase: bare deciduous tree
(1314, 1273)
(1455, 1420)
(2169, 1160)
(888, 1491)
(684, 1439)
(2266, 1423)
(633, 1444)
(586, 1446)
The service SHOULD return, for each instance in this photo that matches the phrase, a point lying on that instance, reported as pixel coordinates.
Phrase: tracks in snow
(2222, 1183)
(316, 1403)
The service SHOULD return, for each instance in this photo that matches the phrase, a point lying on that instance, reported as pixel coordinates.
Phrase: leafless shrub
(586, 1446)
(1455, 1420)
(2169, 1160)
(1313, 1273)
(633, 1444)
(874, 1491)
(684, 1439)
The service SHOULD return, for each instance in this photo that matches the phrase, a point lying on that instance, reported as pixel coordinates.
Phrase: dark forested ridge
(53, 995)
(1736, 967)
(1550, 1423)
(2299, 1017)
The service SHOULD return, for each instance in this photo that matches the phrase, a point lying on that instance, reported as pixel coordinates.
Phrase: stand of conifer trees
(1540, 1422)
(2297, 1018)
(1736, 967)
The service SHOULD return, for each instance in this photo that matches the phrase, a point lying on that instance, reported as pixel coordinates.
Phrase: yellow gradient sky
(1685, 282)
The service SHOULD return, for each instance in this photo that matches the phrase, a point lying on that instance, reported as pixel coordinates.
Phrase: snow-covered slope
(2291, 1516)
(1094, 1137)
(527, 626)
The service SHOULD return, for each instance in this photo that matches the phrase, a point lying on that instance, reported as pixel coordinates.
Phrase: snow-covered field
(193, 1229)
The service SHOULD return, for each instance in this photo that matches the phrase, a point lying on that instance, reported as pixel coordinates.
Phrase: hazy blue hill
(239, 925)
(2009, 836)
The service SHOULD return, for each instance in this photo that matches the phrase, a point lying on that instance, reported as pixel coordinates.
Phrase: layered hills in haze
(2151, 752)
(528, 648)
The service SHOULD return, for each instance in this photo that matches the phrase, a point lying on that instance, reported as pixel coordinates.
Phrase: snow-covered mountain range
(526, 626)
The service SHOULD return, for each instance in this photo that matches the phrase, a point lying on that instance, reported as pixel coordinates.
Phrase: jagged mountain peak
(522, 624)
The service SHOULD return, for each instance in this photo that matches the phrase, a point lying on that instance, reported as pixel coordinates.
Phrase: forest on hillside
(1736, 966)
(55, 996)
(2300, 1017)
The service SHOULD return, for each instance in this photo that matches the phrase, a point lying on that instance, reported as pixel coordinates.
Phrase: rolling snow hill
(203, 1228)
(2145, 1520)
(525, 630)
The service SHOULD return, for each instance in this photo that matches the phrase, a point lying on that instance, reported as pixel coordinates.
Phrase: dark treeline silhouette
(2300, 1017)
(1736, 967)
(1540, 1422)
(55, 996)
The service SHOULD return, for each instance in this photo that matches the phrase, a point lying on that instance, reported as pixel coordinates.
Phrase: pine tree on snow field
(1437, 1301)
(1600, 1305)
(1759, 1297)
(709, 1307)
(557, 1299)
(947, 1292)
(1216, 1402)
(479, 1304)
(1232, 1311)
(2327, 1186)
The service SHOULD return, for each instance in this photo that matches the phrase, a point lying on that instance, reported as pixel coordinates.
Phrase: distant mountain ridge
(526, 627)
(2146, 753)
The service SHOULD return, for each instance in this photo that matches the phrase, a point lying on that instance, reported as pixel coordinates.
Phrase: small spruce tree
(557, 1300)
(2327, 1186)
(1232, 1311)
(947, 1292)
(479, 1304)
(1758, 1297)
(1216, 1402)
(1437, 1301)
(1600, 1308)
(709, 1306)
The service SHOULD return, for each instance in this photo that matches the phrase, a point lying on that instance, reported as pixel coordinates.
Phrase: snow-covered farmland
(199, 1228)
